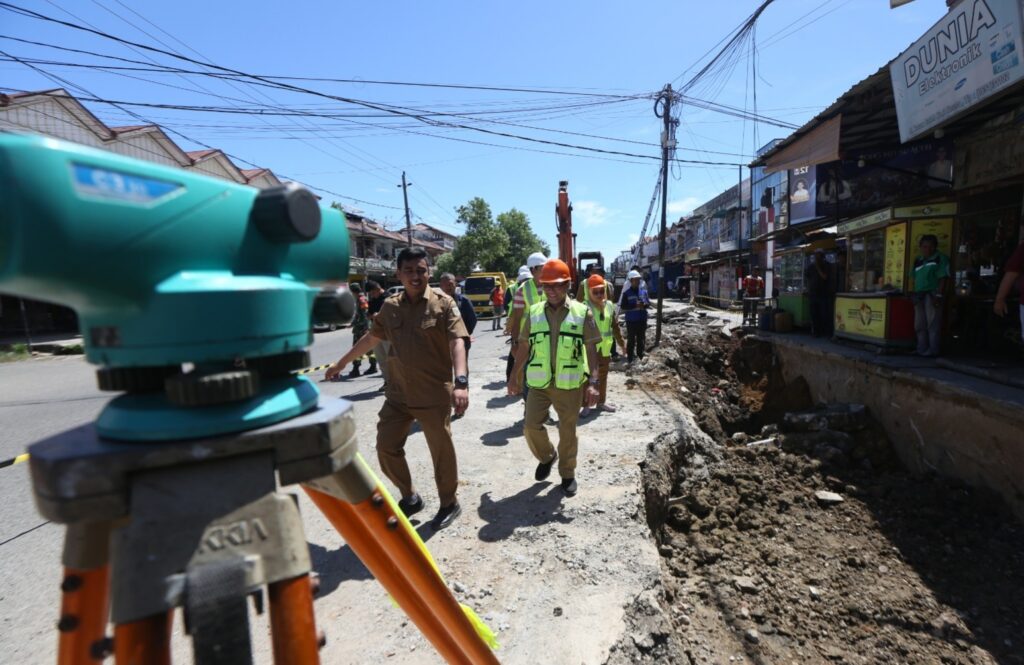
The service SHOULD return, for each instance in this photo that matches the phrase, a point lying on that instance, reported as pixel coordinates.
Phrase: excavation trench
(790, 532)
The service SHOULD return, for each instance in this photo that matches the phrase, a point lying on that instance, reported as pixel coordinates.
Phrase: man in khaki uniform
(427, 339)
(557, 347)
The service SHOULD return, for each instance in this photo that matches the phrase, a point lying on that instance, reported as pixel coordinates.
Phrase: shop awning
(818, 146)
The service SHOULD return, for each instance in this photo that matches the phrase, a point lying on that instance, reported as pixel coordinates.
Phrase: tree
(483, 243)
(522, 241)
(445, 263)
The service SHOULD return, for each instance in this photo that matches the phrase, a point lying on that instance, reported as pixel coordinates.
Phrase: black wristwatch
(462, 381)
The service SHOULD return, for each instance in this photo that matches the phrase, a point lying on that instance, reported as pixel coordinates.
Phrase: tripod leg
(358, 535)
(355, 506)
(292, 623)
(83, 615)
(85, 594)
(144, 642)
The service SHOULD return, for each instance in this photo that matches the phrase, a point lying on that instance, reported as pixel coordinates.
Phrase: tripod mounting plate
(78, 476)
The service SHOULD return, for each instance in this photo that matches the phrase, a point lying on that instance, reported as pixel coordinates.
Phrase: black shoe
(372, 370)
(355, 373)
(411, 505)
(544, 469)
(445, 516)
(569, 486)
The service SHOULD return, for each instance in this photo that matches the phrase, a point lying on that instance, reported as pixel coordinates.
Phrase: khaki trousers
(567, 405)
(602, 376)
(393, 430)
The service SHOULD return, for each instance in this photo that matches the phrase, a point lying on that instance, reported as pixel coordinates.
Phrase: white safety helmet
(536, 260)
(524, 274)
(634, 274)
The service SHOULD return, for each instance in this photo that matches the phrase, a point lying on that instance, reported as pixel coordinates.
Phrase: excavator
(567, 240)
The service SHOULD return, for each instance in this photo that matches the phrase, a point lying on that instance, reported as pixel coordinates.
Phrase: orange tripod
(199, 525)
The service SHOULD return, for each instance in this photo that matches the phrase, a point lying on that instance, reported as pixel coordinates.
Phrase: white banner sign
(970, 55)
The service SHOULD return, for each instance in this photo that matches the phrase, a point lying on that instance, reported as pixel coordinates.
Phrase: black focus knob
(286, 213)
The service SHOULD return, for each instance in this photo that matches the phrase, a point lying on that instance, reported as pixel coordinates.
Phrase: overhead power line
(418, 114)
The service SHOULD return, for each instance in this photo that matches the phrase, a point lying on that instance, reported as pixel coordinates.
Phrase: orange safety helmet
(554, 272)
(595, 281)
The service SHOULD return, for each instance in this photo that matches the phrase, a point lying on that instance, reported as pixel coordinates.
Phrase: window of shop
(867, 261)
(789, 273)
(989, 230)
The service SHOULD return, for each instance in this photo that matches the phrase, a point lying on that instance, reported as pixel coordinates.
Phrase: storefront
(790, 266)
(875, 306)
(989, 182)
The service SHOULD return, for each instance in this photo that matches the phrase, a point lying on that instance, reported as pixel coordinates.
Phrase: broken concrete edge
(1007, 408)
(953, 430)
(648, 632)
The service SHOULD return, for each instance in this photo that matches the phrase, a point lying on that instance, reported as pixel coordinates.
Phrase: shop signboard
(971, 54)
(874, 180)
(864, 317)
(864, 223)
(928, 210)
(895, 255)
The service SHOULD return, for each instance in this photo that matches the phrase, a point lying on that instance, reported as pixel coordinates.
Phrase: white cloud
(683, 206)
(633, 237)
(592, 213)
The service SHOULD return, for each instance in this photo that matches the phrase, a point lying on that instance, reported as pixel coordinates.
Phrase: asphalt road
(39, 398)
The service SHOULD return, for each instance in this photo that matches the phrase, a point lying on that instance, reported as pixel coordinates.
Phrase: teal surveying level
(194, 299)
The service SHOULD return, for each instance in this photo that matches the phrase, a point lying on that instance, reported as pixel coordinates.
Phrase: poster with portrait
(802, 188)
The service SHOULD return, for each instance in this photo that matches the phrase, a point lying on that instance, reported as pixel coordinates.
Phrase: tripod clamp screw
(101, 648)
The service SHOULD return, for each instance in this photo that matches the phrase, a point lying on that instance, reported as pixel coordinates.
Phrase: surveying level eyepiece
(165, 267)
(287, 213)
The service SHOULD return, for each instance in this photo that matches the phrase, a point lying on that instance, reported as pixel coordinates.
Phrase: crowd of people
(560, 355)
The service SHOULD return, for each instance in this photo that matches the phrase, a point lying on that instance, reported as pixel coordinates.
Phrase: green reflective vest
(530, 293)
(605, 320)
(531, 296)
(570, 369)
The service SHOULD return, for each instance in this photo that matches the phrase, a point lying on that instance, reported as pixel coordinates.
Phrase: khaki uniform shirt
(420, 359)
(555, 315)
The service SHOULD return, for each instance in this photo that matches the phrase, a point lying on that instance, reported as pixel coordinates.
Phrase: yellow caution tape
(482, 629)
(310, 370)
(14, 460)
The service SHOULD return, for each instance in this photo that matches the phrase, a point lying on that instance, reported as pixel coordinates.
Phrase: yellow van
(478, 287)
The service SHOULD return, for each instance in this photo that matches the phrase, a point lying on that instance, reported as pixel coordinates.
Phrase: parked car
(394, 290)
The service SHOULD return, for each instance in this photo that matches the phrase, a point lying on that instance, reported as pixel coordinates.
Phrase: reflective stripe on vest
(530, 294)
(570, 366)
(604, 325)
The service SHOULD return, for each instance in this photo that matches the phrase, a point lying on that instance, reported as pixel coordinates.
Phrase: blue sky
(809, 52)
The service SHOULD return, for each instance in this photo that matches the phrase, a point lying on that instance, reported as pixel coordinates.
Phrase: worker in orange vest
(603, 310)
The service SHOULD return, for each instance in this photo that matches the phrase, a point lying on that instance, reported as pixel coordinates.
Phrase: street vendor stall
(790, 266)
(876, 307)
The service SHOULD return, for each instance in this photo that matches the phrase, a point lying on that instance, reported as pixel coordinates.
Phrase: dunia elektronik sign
(973, 53)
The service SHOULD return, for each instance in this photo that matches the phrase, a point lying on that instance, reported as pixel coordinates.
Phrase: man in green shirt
(931, 274)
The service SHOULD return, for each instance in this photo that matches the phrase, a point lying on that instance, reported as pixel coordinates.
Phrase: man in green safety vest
(527, 294)
(603, 311)
(557, 347)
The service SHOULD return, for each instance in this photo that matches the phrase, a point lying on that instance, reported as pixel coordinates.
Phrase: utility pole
(362, 241)
(408, 222)
(663, 109)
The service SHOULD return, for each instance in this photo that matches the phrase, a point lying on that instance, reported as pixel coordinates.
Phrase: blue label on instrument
(122, 186)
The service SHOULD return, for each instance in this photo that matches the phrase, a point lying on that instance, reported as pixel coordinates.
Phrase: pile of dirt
(794, 534)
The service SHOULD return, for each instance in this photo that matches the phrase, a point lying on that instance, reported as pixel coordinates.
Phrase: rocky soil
(790, 533)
